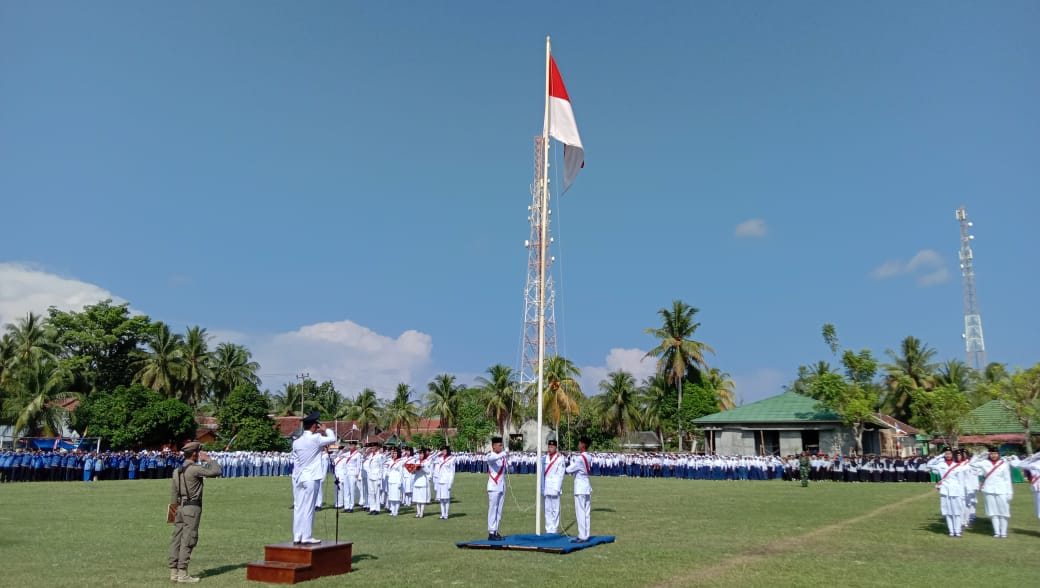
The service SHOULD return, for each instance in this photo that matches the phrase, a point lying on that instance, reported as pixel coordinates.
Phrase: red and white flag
(562, 126)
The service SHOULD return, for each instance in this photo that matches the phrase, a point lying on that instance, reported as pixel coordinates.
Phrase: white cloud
(759, 384)
(753, 227)
(926, 266)
(352, 356)
(630, 360)
(25, 289)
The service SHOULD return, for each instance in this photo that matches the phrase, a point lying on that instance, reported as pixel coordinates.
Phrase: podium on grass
(289, 563)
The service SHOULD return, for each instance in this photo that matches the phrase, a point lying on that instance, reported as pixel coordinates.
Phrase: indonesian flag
(562, 126)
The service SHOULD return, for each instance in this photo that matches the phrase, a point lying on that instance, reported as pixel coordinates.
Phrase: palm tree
(33, 404)
(499, 390)
(912, 369)
(31, 340)
(652, 400)
(723, 386)
(677, 352)
(560, 388)
(618, 404)
(197, 370)
(328, 401)
(365, 409)
(443, 401)
(286, 402)
(6, 354)
(401, 411)
(164, 364)
(232, 366)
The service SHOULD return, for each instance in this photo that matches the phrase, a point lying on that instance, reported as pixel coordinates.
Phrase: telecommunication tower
(529, 362)
(973, 343)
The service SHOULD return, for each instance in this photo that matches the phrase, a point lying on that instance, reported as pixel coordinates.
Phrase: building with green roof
(790, 423)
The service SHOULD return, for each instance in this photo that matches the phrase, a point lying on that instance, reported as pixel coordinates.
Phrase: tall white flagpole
(543, 208)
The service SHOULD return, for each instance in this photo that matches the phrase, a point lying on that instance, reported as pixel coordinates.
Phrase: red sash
(996, 466)
(551, 463)
(501, 470)
(588, 468)
(948, 472)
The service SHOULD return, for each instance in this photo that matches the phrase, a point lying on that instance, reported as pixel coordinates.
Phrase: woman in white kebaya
(996, 487)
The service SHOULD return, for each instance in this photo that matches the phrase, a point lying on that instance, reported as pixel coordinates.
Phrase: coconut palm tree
(197, 370)
(723, 386)
(231, 366)
(164, 363)
(287, 402)
(913, 368)
(618, 405)
(31, 340)
(443, 401)
(655, 392)
(401, 411)
(678, 353)
(33, 406)
(560, 388)
(499, 394)
(365, 409)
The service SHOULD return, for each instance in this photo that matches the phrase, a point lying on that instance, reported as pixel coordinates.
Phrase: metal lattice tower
(529, 362)
(973, 343)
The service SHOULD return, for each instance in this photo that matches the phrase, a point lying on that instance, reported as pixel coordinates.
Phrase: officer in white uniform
(496, 486)
(580, 465)
(307, 471)
(553, 466)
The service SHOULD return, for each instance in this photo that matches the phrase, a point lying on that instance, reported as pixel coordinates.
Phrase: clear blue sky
(343, 185)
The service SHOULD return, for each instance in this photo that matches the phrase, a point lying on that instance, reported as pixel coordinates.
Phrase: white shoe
(310, 541)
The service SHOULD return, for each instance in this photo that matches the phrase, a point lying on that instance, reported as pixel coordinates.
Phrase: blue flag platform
(545, 543)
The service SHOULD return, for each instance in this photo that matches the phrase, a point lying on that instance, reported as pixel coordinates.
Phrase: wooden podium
(288, 563)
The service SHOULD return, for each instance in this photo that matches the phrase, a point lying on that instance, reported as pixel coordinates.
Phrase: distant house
(990, 424)
(790, 423)
(641, 441)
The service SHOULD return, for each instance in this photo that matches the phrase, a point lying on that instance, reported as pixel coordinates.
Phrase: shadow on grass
(1025, 532)
(937, 526)
(458, 515)
(603, 510)
(222, 570)
(362, 557)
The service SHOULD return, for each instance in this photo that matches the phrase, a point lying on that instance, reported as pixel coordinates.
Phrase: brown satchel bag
(171, 512)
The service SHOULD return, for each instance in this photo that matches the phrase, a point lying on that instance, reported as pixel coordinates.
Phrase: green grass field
(669, 533)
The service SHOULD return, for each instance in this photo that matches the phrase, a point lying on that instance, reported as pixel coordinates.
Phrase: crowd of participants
(94, 466)
(41, 465)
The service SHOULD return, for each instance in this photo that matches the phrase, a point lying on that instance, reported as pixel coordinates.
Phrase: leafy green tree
(655, 405)
(473, 426)
(98, 345)
(232, 366)
(588, 422)
(167, 421)
(365, 409)
(135, 416)
(853, 397)
(329, 403)
(618, 405)
(499, 390)
(163, 365)
(1021, 394)
(287, 402)
(941, 410)
(678, 353)
(245, 423)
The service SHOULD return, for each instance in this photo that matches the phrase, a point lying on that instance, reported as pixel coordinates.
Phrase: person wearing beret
(995, 487)
(307, 471)
(496, 486)
(187, 494)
